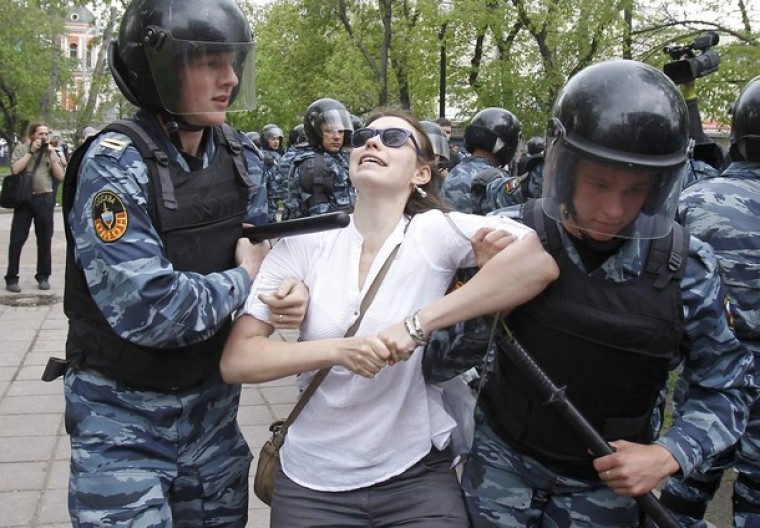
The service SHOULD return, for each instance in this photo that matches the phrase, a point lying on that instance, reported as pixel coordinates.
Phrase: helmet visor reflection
(195, 77)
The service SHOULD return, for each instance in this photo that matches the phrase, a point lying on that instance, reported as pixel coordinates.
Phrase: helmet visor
(196, 77)
(334, 120)
(440, 145)
(603, 199)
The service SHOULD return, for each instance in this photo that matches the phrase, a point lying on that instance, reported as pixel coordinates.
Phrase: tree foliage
(511, 53)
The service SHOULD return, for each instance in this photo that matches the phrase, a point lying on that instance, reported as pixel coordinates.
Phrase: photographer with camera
(43, 164)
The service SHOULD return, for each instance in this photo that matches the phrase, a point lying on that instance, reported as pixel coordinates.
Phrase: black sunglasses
(391, 137)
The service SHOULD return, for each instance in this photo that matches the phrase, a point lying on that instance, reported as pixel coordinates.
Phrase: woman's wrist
(414, 329)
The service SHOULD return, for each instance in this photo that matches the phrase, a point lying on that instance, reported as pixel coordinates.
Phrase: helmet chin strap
(173, 123)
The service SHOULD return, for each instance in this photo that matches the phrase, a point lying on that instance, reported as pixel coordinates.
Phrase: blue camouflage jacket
(716, 366)
(457, 189)
(724, 211)
(342, 198)
(143, 298)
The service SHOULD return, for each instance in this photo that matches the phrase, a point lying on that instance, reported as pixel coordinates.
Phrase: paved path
(34, 448)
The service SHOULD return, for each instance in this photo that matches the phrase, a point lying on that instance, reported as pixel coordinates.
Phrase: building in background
(81, 43)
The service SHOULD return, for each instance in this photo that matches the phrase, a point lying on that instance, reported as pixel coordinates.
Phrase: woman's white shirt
(355, 431)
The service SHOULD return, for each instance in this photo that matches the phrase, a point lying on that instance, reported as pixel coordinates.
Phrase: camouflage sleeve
(143, 298)
(717, 369)
(257, 212)
(456, 349)
(502, 192)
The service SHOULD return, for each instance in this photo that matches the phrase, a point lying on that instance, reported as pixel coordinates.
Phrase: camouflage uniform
(275, 191)
(143, 457)
(698, 170)
(723, 211)
(342, 197)
(503, 192)
(278, 182)
(458, 187)
(505, 488)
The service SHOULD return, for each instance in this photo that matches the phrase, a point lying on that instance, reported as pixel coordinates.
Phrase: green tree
(31, 66)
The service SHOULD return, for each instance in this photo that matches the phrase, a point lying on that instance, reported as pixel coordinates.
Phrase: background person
(318, 181)
(41, 160)
(722, 211)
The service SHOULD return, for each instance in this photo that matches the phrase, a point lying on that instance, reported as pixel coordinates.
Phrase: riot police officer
(492, 138)
(636, 296)
(153, 209)
(318, 182)
(722, 211)
(272, 137)
(440, 142)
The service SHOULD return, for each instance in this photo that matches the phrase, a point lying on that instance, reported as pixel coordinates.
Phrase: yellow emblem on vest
(109, 216)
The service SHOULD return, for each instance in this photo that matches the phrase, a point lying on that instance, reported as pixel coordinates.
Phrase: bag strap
(322, 374)
(34, 167)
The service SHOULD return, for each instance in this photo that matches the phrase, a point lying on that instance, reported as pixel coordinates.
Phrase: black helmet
(496, 130)
(158, 38)
(255, 138)
(745, 124)
(437, 138)
(326, 111)
(271, 131)
(535, 145)
(296, 135)
(625, 114)
(356, 122)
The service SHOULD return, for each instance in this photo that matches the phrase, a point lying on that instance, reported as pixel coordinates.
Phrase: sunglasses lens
(360, 137)
(394, 137)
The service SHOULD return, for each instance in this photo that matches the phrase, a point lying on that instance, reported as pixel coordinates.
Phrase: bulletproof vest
(198, 216)
(608, 343)
(316, 180)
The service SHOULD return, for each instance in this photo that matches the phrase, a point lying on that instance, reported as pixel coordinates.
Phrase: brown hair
(32, 129)
(416, 203)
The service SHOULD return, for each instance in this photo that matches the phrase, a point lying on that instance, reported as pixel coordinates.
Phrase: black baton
(598, 446)
(299, 226)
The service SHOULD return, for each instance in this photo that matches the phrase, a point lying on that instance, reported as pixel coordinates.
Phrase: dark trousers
(427, 495)
(39, 211)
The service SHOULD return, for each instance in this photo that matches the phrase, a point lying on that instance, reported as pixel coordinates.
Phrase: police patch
(511, 185)
(109, 216)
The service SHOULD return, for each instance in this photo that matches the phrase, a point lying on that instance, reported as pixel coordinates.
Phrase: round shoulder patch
(109, 216)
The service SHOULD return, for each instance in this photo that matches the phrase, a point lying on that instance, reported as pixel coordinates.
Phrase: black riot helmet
(535, 145)
(626, 118)
(745, 124)
(271, 131)
(159, 39)
(326, 112)
(495, 130)
(296, 135)
(437, 138)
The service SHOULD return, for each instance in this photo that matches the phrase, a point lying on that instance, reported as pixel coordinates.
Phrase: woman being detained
(371, 444)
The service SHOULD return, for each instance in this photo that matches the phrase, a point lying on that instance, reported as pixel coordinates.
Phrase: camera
(685, 70)
(43, 145)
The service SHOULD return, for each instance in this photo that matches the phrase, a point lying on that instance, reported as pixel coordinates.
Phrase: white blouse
(355, 431)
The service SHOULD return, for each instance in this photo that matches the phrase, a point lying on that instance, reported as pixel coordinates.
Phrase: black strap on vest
(156, 159)
(667, 258)
(533, 216)
(236, 147)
